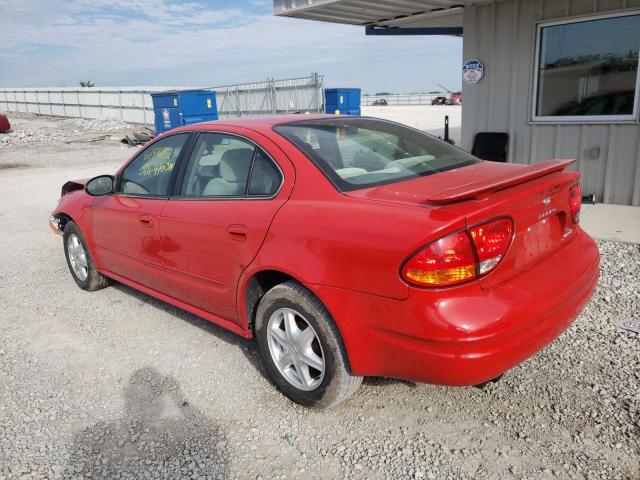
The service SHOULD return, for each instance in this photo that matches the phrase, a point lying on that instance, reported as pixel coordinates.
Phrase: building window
(587, 70)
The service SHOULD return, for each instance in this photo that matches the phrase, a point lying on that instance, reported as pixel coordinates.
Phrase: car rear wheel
(81, 265)
(302, 348)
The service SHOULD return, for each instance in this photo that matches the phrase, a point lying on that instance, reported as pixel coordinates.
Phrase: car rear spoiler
(464, 192)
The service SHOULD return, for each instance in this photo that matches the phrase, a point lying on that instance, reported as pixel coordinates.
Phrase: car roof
(258, 122)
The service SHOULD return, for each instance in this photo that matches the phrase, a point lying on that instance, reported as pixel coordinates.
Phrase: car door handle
(237, 232)
(146, 220)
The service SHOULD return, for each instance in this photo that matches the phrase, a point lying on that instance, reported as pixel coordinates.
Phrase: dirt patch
(7, 166)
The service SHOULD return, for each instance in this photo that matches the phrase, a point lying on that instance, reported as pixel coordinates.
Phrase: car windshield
(360, 152)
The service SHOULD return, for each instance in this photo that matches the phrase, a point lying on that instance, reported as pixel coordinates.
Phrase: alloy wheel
(295, 349)
(77, 257)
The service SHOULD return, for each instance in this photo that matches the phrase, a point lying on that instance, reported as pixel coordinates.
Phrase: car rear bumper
(466, 335)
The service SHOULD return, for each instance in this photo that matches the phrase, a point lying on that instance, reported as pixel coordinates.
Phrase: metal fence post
(79, 107)
(50, 104)
(272, 91)
(317, 89)
(144, 108)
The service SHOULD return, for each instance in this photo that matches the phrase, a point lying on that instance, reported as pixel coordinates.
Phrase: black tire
(338, 382)
(483, 385)
(94, 280)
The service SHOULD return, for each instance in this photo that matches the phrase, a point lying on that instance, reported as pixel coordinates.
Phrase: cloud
(134, 42)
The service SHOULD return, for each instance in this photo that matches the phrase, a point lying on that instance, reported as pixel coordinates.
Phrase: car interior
(150, 172)
(220, 166)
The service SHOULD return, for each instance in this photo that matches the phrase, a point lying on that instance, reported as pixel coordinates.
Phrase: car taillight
(575, 202)
(447, 261)
(491, 240)
(461, 256)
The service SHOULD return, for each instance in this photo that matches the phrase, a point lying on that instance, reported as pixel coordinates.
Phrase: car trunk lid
(497, 180)
(536, 197)
(542, 220)
(459, 184)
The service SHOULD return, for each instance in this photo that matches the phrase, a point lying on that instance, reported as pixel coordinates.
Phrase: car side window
(221, 164)
(265, 176)
(150, 172)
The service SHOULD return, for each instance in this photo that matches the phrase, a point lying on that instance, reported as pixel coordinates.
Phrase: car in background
(455, 98)
(380, 102)
(440, 101)
(5, 126)
(617, 102)
(346, 246)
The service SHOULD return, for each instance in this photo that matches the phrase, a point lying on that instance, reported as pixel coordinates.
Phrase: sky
(207, 43)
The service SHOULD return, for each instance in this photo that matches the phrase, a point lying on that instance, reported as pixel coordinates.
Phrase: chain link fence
(403, 98)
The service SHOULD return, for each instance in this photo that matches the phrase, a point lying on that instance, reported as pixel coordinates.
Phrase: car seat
(265, 177)
(234, 169)
(207, 167)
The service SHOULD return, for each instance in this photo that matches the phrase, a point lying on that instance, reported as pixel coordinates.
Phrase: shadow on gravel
(247, 347)
(159, 436)
(382, 381)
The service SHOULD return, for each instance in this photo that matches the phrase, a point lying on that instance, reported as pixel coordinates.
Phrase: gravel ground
(114, 384)
(24, 130)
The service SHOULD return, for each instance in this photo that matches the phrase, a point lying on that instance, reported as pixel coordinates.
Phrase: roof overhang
(440, 17)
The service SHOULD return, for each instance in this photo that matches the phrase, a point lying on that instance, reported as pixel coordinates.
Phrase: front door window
(150, 173)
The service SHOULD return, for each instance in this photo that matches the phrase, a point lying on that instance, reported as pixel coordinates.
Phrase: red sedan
(5, 126)
(346, 246)
(455, 98)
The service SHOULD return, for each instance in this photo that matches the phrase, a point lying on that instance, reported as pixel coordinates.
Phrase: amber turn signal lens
(442, 277)
(447, 261)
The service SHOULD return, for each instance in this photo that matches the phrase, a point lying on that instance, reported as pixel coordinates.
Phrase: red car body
(348, 248)
(5, 126)
(455, 98)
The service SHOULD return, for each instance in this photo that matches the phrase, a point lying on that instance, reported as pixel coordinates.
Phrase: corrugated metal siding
(391, 13)
(503, 35)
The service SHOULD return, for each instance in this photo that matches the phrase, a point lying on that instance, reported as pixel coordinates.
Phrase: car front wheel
(302, 348)
(81, 265)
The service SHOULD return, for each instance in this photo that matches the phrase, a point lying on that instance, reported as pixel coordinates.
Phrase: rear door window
(223, 165)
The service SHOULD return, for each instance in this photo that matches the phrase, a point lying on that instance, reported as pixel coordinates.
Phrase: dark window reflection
(589, 68)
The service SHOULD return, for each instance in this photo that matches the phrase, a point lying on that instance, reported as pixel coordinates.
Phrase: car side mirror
(100, 185)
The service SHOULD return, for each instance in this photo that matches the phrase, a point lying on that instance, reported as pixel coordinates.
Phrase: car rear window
(355, 152)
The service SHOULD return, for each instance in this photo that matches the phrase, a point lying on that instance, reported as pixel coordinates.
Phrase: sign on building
(472, 71)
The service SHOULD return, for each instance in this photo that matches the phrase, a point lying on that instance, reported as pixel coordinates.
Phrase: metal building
(559, 76)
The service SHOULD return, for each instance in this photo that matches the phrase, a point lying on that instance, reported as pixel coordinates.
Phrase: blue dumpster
(176, 108)
(342, 101)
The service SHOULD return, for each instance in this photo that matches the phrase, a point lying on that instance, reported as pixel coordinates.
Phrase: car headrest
(208, 142)
(234, 164)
